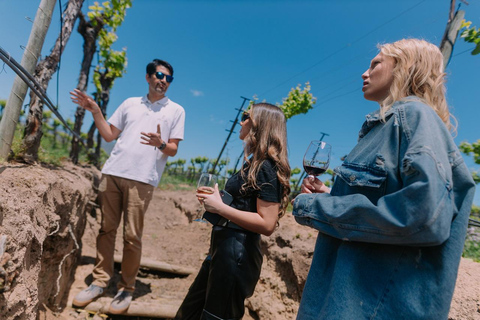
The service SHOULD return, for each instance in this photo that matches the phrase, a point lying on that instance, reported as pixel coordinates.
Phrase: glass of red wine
(317, 158)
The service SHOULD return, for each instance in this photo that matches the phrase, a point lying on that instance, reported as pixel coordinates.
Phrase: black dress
(231, 271)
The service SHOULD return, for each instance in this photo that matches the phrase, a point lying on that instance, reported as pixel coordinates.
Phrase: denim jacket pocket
(355, 178)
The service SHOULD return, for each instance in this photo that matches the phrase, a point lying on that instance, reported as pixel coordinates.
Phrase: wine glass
(205, 182)
(317, 158)
(204, 185)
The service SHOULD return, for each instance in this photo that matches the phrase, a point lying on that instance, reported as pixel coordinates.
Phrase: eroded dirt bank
(42, 218)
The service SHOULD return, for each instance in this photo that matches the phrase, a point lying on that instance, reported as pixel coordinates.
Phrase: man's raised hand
(84, 101)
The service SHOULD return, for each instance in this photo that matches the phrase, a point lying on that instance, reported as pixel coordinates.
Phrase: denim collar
(372, 118)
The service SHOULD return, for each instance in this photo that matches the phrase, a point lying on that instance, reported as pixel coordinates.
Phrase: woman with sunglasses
(260, 197)
(392, 229)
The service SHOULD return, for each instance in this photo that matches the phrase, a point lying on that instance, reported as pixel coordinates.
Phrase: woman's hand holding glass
(210, 198)
(312, 184)
(316, 162)
(205, 184)
(207, 192)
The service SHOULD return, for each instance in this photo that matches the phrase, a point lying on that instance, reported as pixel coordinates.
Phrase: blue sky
(222, 50)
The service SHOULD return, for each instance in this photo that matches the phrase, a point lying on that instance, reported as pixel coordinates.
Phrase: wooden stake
(30, 57)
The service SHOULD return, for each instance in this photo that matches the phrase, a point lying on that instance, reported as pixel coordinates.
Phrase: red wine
(314, 171)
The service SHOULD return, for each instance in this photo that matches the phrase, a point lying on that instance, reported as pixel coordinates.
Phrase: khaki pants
(119, 195)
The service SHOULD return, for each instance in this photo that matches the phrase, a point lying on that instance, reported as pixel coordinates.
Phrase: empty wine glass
(317, 158)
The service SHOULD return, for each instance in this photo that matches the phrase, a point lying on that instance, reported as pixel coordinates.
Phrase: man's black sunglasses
(245, 116)
(161, 75)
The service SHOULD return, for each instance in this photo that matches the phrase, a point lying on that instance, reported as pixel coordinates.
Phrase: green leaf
(471, 35)
(476, 50)
(465, 24)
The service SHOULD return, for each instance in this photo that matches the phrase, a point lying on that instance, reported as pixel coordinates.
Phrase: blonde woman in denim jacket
(392, 228)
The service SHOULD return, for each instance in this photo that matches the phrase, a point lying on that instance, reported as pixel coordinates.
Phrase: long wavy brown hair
(267, 139)
(418, 72)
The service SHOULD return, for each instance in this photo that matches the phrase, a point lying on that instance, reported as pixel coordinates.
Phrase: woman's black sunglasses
(245, 116)
(161, 75)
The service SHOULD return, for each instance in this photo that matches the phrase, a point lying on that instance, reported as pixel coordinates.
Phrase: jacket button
(352, 177)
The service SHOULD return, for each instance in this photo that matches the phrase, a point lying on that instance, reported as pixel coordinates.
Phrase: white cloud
(216, 120)
(196, 93)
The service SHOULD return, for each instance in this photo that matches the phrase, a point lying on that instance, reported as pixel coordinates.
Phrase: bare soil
(172, 236)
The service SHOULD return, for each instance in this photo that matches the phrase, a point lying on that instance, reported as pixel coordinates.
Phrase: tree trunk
(43, 73)
(55, 136)
(90, 136)
(91, 131)
(105, 83)
(98, 149)
(92, 157)
(89, 33)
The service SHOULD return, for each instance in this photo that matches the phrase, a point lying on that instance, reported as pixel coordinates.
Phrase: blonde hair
(267, 139)
(418, 72)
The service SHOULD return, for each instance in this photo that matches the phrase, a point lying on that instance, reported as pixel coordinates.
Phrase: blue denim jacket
(391, 232)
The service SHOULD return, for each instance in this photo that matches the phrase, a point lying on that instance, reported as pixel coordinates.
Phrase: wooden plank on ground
(161, 266)
(161, 308)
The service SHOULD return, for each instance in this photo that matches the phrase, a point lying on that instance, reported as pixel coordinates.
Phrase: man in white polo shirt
(148, 130)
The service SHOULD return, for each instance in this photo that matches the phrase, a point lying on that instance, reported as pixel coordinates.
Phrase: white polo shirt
(129, 158)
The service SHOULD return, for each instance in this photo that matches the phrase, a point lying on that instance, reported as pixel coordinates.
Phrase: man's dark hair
(152, 66)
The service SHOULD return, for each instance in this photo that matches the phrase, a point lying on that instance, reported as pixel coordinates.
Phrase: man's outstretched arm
(107, 131)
